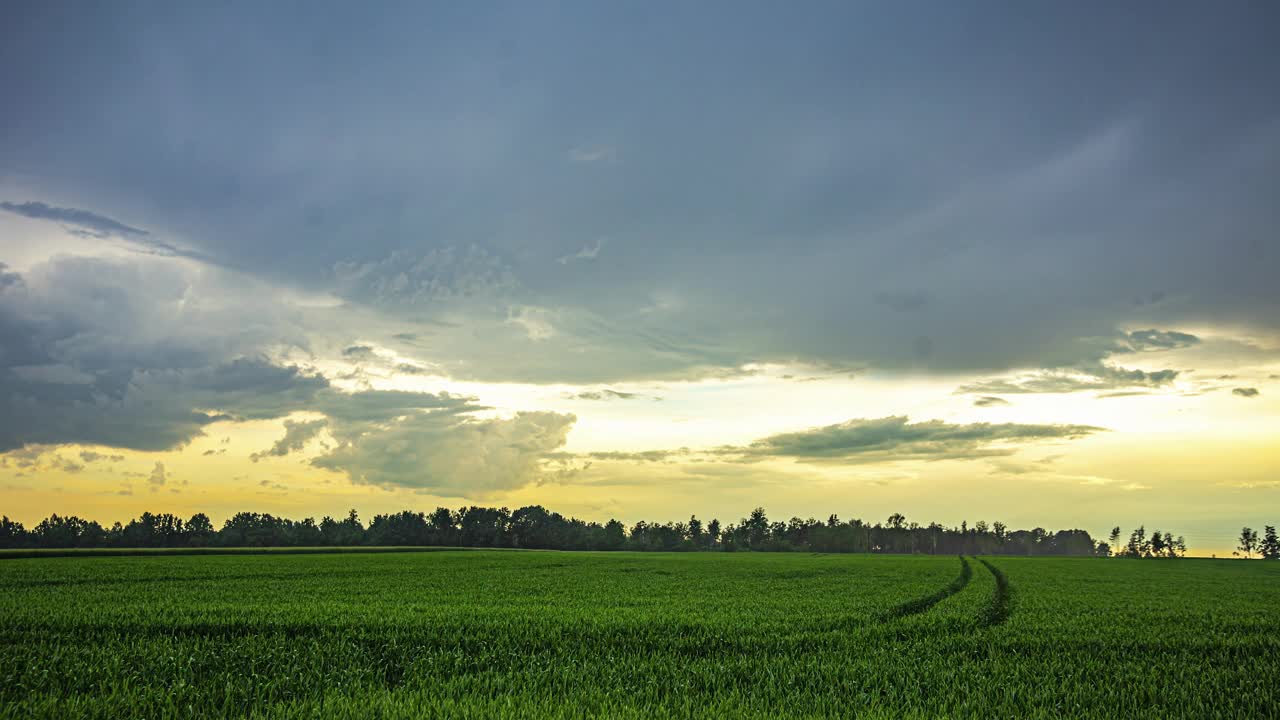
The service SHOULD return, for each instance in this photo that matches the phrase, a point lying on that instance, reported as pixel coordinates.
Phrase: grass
(7, 554)
(521, 634)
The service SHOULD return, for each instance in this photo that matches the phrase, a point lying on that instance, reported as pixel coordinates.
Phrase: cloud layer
(331, 240)
(767, 211)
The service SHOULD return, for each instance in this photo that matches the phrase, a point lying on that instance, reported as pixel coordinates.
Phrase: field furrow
(922, 604)
(1001, 600)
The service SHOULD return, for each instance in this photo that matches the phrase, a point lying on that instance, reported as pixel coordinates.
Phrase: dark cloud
(94, 415)
(643, 456)
(1142, 340)
(92, 225)
(296, 435)
(29, 457)
(976, 221)
(253, 388)
(97, 225)
(989, 401)
(1246, 392)
(66, 465)
(904, 301)
(1095, 378)
(359, 352)
(90, 456)
(373, 363)
(605, 394)
(113, 353)
(865, 441)
(123, 373)
(353, 412)
(895, 438)
(759, 228)
(149, 410)
(8, 278)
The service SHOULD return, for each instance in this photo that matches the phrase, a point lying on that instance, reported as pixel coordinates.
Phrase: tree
(1000, 531)
(443, 527)
(695, 531)
(713, 533)
(1157, 544)
(1270, 544)
(537, 527)
(615, 535)
(1114, 538)
(1248, 541)
(200, 530)
(12, 533)
(756, 528)
(1138, 545)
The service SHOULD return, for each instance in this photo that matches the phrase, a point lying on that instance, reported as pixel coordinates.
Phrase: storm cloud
(150, 370)
(119, 353)
(331, 228)
(966, 221)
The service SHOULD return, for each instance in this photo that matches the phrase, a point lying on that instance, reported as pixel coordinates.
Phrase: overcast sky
(1004, 261)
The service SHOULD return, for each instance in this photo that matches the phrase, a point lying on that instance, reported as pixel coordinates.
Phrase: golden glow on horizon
(1201, 464)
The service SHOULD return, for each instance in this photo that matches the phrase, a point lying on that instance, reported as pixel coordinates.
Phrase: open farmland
(516, 634)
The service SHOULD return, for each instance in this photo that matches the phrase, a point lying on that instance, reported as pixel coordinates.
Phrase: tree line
(1140, 546)
(535, 527)
(1268, 546)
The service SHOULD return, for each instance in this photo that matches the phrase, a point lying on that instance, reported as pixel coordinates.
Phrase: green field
(708, 635)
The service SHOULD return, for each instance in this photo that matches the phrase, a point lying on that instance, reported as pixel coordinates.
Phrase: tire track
(921, 604)
(1001, 602)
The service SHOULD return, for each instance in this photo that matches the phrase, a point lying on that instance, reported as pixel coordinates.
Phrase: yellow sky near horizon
(1198, 465)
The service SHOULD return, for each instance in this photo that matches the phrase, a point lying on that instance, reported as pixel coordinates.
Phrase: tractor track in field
(922, 604)
(1001, 601)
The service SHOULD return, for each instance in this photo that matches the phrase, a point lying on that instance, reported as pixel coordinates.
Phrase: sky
(1008, 261)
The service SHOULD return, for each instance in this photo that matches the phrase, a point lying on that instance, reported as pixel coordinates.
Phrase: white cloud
(590, 154)
(535, 321)
(444, 453)
(588, 252)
